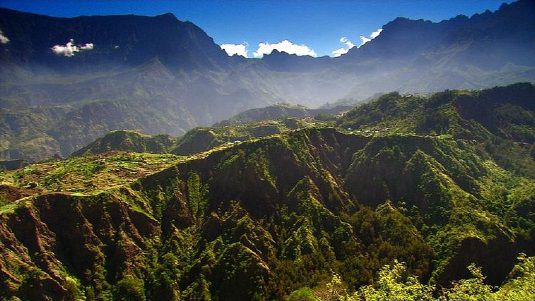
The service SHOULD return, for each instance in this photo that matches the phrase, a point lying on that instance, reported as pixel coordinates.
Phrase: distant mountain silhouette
(161, 75)
(124, 39)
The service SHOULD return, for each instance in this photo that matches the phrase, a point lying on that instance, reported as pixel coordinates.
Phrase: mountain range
(403, 198)
(66, 81)
(139, 161)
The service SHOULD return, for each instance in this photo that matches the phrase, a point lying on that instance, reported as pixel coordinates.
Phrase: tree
(129, 289)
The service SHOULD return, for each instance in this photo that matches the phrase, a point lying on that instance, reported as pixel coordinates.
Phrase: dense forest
(405, 197)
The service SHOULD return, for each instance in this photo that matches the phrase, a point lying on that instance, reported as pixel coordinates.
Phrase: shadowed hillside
(269, 209)
(162, 75)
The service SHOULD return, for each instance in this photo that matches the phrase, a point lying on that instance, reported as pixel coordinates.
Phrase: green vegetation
(283, 111)
(393, 283)
(202, 139)
(88, 173)
(128, 141)
(197, 140)
(302, 213)
(129, 289)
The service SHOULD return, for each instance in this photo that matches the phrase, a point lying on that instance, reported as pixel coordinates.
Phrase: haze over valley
(141, 160)
(90, 75)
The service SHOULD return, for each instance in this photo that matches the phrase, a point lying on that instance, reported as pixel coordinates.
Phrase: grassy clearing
(89, 173)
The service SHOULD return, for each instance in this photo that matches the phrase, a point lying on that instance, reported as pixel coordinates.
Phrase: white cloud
(67, 50)
(235, 49)
(376, 33)
(348, 44)
(340, 51)
(364, 40)
(373, 35)
(3, 38)
(283, 46)
(70, 49)
(87, 46)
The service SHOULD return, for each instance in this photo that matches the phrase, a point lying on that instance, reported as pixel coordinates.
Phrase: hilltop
(163, 75)
(289, 208)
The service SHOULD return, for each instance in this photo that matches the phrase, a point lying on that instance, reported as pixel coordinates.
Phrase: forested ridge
(402, 198)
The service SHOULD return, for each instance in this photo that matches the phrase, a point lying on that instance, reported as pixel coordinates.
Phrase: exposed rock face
(57, 235)
(249, 220)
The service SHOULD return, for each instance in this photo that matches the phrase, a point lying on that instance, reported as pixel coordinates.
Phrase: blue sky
(318, 25)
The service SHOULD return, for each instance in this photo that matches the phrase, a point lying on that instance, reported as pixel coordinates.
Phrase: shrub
(129, 289)
(302, 294)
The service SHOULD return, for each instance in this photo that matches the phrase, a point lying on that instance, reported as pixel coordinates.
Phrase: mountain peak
(405, 22)
(277, 53)
(512, 25)
(167, 16)
(131, 40)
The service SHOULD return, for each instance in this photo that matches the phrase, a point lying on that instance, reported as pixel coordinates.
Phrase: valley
(149, 152)
(161, 75)
(345, 196)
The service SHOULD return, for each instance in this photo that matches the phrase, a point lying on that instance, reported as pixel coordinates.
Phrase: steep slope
(129, 141)
(283, 211)
(161, 75)
(203, 139)
(129, 39)
(498, 120)
(492, 48)
(463, 37)
(196, 140)
(280, 111)
(135, 76)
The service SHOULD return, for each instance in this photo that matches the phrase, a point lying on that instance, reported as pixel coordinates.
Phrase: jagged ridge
(274, 208)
